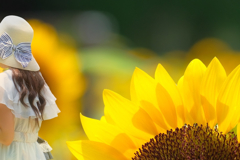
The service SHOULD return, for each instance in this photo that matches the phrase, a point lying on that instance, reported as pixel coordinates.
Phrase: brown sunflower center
(190, 142)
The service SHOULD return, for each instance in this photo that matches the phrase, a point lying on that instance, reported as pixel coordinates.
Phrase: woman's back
(24, 145)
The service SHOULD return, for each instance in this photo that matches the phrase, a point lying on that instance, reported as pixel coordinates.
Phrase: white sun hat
(16, 36)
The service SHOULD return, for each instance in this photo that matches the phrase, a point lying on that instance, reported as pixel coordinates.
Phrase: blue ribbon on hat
(22, 51)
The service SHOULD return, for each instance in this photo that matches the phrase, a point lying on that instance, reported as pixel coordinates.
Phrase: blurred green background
(84, 47)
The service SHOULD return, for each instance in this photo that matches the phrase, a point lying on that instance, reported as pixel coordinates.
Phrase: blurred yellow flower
(203, 95)
(56, 55)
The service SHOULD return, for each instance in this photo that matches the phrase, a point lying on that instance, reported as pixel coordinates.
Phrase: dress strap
(25, 137)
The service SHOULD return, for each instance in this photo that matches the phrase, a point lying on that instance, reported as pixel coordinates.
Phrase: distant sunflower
(167, 121)
(58, 60)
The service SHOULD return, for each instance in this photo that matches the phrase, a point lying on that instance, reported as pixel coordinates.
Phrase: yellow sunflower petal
(103, 119)
(108, 117)
(191, 91)
(228, 102)
(106, 133)
(172, 97)
(188, 118)
(145, 87)
(166, 105)
(132, 119)
(211, 83)
(180, 84)
(90, 150)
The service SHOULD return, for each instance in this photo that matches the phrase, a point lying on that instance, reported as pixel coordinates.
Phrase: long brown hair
(31, 83)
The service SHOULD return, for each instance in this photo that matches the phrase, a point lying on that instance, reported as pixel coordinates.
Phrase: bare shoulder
(5, 112)
(3, 107)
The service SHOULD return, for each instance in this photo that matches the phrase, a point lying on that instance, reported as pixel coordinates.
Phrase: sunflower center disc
(190, 142)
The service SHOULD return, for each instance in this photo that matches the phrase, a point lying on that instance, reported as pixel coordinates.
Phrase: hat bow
(22, 51)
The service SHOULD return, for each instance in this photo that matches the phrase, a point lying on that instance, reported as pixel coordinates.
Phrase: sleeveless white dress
(24, 145)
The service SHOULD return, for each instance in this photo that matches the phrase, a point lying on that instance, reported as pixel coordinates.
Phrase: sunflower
(190, 120)
(60, 67)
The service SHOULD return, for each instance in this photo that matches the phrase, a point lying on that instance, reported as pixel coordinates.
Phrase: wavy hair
(31, 83)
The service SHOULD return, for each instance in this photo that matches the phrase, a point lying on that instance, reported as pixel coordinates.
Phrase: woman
(25, 98)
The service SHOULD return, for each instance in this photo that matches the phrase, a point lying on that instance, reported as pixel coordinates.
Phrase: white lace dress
(24, 145)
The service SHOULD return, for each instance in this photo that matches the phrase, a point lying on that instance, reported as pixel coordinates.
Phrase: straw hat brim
(12, 62)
